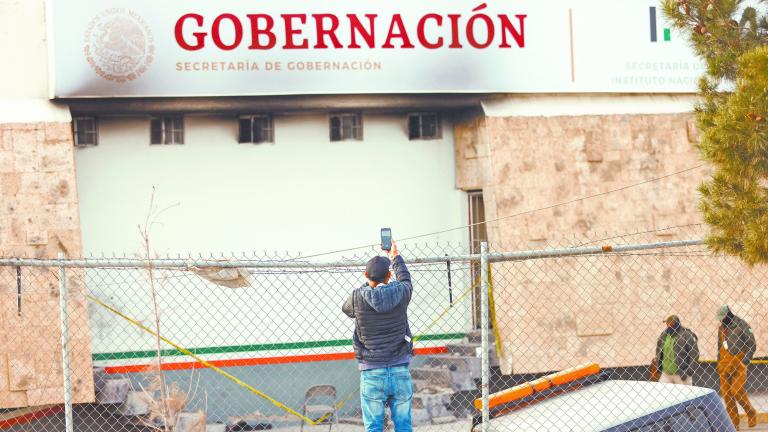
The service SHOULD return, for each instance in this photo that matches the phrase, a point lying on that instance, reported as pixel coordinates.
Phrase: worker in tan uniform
(735, 348)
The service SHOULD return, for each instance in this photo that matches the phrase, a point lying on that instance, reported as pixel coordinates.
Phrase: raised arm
(402, 274)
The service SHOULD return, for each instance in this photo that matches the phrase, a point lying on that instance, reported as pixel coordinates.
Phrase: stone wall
(538, 161)
(558, 312)
(39, 219)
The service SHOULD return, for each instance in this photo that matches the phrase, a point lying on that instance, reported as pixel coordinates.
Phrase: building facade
(304, 130)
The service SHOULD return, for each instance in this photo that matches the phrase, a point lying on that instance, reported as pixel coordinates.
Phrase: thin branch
(160, 375)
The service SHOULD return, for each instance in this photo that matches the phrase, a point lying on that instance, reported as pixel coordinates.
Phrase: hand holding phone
(393, 253)
(386, 239)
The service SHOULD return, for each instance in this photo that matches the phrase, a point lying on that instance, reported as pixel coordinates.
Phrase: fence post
(63, 311)
(484, 332)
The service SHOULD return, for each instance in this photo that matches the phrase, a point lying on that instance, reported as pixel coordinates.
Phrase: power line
(638, 233)
(512, 215)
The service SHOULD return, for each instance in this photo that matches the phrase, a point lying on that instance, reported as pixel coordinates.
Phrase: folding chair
(321, 400)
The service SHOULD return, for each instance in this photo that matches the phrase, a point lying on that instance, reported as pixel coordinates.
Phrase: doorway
(478, 233)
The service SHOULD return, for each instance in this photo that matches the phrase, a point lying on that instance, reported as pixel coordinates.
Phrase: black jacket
(738, 334)
(382, 333)
(686, 351)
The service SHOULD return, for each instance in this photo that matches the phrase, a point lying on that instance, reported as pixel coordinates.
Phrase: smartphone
(386, 239)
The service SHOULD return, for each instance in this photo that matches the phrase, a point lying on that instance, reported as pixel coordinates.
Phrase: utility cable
(656, 230)
(549, 207)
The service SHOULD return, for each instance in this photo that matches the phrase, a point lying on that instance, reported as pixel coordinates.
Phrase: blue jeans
(390, 386)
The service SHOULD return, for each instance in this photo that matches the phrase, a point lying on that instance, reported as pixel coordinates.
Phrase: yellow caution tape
(492, 307)
(244, 384)
(444, 313)
(226, 374)
(416, 338)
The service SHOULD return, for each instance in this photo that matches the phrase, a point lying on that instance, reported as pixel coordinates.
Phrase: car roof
(599, 406)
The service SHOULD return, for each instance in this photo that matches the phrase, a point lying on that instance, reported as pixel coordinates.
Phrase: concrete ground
(96, 423)
(459, 426)
(760, 402)
(92, 418)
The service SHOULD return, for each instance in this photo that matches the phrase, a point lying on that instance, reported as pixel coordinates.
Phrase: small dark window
(85, 131)
(256, 129)
(346, 127)
(167, 130)
(424, 126)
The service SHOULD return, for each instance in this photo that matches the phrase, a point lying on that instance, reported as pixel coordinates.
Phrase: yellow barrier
(754, 362)
(524, 390)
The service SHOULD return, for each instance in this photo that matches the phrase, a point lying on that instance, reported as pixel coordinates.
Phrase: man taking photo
(383, 341)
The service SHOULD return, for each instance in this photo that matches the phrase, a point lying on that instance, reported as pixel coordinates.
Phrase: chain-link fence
(261, 343)
(558, 308)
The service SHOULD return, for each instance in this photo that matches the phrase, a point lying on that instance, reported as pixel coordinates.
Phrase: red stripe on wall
(259, 361)
(28, 417)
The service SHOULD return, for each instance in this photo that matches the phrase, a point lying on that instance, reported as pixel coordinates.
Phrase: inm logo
(654, 29)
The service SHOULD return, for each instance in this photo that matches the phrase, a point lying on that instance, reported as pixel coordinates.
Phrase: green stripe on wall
(250, 348)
